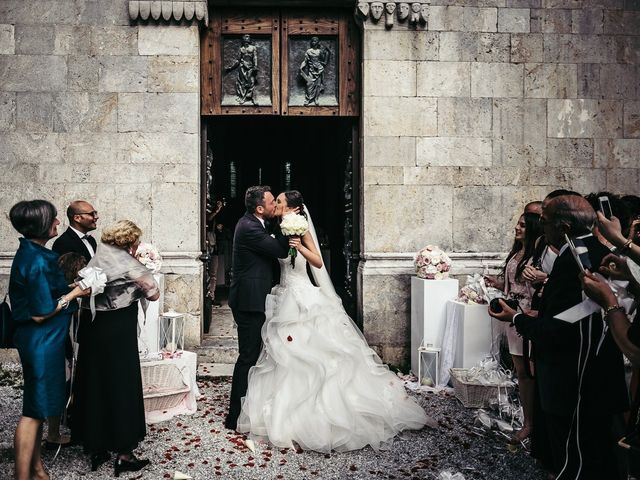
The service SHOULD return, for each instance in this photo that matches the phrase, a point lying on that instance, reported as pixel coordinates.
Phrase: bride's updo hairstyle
(123, 234)
(295, 200)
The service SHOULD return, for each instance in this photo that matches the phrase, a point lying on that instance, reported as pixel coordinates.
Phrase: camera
(495, 306)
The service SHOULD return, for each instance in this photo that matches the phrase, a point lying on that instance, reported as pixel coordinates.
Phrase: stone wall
(96, 108)
(489, 105)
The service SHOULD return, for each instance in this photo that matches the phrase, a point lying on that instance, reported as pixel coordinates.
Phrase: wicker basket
(162, 386)
(470, 394)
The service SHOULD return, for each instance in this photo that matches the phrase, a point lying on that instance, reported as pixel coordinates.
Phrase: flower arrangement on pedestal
(149, 256)
(432, 263)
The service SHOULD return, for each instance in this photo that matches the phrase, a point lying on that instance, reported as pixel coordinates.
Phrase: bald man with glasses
(82, 220)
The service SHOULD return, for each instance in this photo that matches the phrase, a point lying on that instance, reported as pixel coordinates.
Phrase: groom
(254, 250)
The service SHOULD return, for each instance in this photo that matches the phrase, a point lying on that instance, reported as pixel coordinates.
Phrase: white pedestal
(149, 327)
(428, 303)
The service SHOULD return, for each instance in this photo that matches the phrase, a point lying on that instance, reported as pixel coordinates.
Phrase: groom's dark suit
(69, 241)
(254, 251)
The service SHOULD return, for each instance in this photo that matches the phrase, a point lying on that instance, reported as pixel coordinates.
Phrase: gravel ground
(199, 446)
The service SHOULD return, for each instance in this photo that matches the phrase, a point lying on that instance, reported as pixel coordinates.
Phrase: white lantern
(428, 366)
(171, 332)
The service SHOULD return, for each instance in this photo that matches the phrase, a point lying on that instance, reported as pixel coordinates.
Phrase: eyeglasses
(93, 214)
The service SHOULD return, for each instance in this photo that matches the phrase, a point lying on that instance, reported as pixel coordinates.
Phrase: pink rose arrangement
(149, 256)
(432, 263)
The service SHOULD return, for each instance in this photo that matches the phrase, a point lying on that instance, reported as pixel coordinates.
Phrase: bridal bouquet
(294, 225)
(149, 256)
(432, 263)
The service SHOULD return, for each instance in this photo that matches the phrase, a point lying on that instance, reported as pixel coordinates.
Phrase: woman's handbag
(7, 325)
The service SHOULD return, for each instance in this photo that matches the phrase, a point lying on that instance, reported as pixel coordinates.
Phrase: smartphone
(605, 206)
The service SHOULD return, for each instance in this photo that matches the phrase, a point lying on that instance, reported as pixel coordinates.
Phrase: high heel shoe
(132, 465)
(98, 459)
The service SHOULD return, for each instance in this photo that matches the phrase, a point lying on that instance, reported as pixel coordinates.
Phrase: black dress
(108, 393)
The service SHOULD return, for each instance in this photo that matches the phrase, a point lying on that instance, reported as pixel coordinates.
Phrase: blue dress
(35, 285)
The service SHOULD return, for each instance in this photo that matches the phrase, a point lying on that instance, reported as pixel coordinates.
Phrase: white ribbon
(94, 278)
(488, 372)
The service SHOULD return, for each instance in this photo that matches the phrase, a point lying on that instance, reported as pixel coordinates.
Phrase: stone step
(222, 323)
(214, 370)
(218, 349)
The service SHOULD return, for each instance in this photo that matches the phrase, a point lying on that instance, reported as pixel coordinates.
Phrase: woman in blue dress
(42, 304)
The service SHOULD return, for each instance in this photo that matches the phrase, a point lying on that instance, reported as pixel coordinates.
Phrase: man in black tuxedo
(82, 220)
(579, 369)
(254, 250)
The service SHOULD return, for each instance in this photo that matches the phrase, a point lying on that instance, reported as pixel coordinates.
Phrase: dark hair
(618, 208)
(532, 231)
(633, 204)
(33, 218)
(295, 200)
(71, 263)
(254, 197)
(560, 192)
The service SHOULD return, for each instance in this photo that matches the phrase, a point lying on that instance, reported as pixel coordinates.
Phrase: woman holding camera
(42, 305)
(517, 287)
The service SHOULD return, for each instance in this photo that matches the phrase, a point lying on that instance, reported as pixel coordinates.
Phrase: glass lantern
(171, 332)
(429, 366)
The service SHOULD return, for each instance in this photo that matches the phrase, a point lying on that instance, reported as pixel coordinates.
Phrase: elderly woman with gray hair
(108, 392)
(42, 305)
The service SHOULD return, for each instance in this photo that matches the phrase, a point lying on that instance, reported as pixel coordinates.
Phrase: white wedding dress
(317, 383)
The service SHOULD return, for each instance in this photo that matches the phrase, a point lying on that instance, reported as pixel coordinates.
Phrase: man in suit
(254, 251)
(82, 220)
(579, 368)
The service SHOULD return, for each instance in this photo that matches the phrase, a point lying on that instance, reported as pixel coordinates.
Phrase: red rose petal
(290, 338)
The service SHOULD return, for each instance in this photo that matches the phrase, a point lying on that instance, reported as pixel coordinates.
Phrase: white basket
(162, 386)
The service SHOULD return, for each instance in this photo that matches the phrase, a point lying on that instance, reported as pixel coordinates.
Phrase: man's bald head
(572, 212)
(533, 207)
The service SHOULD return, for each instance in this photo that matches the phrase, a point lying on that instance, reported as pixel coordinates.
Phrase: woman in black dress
(109, 387)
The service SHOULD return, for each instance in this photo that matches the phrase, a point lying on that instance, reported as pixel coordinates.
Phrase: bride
(317, 383)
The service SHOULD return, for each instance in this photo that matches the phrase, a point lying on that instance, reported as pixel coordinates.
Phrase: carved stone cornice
(412, 14)
(167, 11)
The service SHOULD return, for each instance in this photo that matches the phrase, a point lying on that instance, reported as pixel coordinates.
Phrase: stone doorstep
(214, 370)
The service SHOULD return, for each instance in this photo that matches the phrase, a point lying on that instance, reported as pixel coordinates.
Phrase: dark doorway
(315, 155)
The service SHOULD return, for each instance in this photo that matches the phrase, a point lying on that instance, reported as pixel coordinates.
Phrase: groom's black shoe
(231, 423)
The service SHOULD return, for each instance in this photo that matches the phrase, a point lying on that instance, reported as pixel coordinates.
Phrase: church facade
(457, 113)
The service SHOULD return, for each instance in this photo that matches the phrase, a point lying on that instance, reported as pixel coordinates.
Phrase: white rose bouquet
(432, 263)
(294, 225)
(149, 256)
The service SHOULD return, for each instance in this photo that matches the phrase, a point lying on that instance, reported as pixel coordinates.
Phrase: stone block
(514, 20)
(627, 49)
(443, 79)
(379, 298)
(623, 181)
(7, 39)
(114, 40)
(400, 45)
(428, 223)
(551, 21)
(620, 81)
(389, 78)
(496, 80)
(7, 111)
(382, 175)
(182, 293)
(34, 39)
(72, 40)
(176, 217)
(430, 175)
(583, 49)
(446, 18)
(588, 80)
(621, 153)
(456, 151)
(492, 176)
(29, 13)
(584, 119)
(174, 74)
(474, 47)
(158, 112)
(526, 48)
(85, 112)
(91, 12)
(632, 119)
(389, 151)
(66, 172)
(24, 147)
(621, 22)
(570, 152)
(177, 173)
(523, 3)
(402, 116)
(83, 73)
(481, 218)
(587, 21)
(603, 152)
(160, 148)
(168, 40)
(519, 134)
(99, 148)
(34, 112)
(464, 117)
(133, 201)
(550, 80)
(33, 73)
(122, 74)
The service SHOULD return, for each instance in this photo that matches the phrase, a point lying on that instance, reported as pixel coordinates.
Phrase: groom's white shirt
(261, 220)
